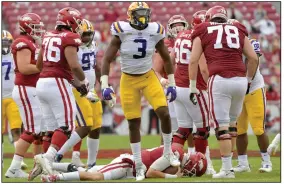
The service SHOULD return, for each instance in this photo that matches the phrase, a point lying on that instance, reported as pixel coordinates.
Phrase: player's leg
(131, 104)
(93, 137)
(190, 144)
(242, 141)
(256, 114)
(29, 107)
(154, 93)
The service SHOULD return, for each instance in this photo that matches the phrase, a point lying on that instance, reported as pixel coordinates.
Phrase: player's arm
(157, 168)
(158, 65)
(110, 53)
(98, 72)
(203, 68)
(39, 63)
(252, 59)
(164, 53)
(24, 62)
(72, 59)
(194, 59)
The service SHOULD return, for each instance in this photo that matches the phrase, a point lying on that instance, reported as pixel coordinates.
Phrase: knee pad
(28, 137)
(64, 130)
(233, 131)
(258, 131)
(222, 135)
(181, 135)
(202, 133)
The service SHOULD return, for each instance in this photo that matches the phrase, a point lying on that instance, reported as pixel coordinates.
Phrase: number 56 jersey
(137, 46)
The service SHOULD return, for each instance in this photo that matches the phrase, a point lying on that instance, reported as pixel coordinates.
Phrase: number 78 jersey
(222, 45)
(137, 46)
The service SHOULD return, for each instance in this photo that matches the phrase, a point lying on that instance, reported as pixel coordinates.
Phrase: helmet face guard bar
(141, 17)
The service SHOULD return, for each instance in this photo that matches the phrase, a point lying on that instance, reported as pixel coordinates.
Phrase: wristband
(192, 84)
(104, 81)
(171, 176)
(171, 78)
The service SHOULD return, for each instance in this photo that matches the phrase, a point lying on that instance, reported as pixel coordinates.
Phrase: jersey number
(182, 52)
(141, 49)
(86, 61)
(8, 64)
(231, 32)
(51, 51)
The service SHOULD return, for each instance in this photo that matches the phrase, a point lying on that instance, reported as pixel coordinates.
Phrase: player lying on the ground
(123, 167)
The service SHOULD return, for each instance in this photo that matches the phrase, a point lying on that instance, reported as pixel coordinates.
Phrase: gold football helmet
(139, 14)
(88, 32)
(7, 40)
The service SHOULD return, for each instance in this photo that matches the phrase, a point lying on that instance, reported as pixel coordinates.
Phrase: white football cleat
(173, 159)
(24, 166)
(265, 167)
(140, 173)
(16, 173)
(242, 168)
(210, 169)
(76, 160)
(37, 170)
(224, 174)
(44, 163)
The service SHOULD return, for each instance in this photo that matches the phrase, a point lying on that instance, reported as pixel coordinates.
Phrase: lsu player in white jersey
(89, 108)
(137, 40)
(253, 112)
(10, 111)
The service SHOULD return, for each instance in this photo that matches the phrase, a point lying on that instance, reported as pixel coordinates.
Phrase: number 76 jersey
(137, 46)
(222, 45)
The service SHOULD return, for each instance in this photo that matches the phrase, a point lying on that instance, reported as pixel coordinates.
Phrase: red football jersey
(222, 45)
(169, 42)
(182, 48)
(54, 61)
(149, 156)
(24, 42)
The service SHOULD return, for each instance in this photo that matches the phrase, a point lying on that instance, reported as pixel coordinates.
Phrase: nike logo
(252, 93)
(13, 172)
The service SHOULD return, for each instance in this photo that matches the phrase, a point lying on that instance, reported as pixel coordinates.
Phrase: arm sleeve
(160, 33)
(72, 39)
(242, 28)
(23, 44)
(116, 29)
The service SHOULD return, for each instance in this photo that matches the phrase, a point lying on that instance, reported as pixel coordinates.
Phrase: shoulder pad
(22, 43)
(158, 28)
(117, 27)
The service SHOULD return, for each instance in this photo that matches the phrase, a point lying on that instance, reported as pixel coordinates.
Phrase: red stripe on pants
(201, 110)
(25, 109)
(30, 109)
(206, 108)
(211, 99)
(115, 167)
(69, 103)
(64, 102)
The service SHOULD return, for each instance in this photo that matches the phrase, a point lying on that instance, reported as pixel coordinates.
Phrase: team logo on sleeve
(20, 44)
(77, 40)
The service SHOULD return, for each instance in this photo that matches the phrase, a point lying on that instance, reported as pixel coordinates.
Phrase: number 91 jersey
(137, 46)
(87, 59)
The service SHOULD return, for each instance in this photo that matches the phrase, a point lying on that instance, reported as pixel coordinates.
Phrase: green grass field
(122, 142)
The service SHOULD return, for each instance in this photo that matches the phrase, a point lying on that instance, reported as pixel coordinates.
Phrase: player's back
(149, 156)
(222, 45)
(24, 42)
(183, 46)
(55, 64)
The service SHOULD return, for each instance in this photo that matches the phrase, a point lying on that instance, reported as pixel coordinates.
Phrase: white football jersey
(8, 75)
(137, 46)
(87, 59)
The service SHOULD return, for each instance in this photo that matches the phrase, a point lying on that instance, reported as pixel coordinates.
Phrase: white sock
(75, 154)
(93, 148)
(16, 162)
(207, 154)
(60, 166)
(265, 157)
(191, 149)
(227, 163)
(167, 143)
(243, 160)
(69, 176)
(50, 154)
(136, 151)
(72, 141)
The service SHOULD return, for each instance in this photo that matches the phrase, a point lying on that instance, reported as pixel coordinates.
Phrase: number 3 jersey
(55, 64)
(8, 75)
(137, 46)
(222, 45)
(87, 59)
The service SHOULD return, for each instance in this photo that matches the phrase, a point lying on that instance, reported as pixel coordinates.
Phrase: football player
(223, 44)
(273, 147)
(10, 110)
(24, 91)
(189, 114)
(58, 62)
(89, 113)
(137, 41)
(253, 112)
(123, 166)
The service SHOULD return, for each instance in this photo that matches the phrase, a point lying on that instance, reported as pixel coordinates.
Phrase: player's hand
(109, 96)
(193, 94)
(171, 93)
(272, 148)
(248, 88)
(82, 87)
(164, 82)
(179, 173)
(93, 97)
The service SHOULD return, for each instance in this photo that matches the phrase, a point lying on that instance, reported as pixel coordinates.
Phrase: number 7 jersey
(137, 46)
(222, 45)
